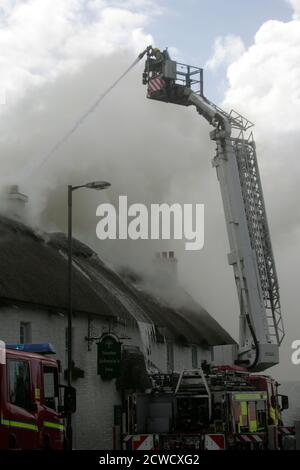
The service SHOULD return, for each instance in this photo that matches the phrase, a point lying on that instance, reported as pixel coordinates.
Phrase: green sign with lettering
(108, 357)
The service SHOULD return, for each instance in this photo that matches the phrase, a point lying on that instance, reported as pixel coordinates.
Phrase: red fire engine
(31, 414)
(210, 408)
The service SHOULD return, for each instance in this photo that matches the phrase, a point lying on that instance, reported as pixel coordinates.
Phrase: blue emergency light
(40, 348)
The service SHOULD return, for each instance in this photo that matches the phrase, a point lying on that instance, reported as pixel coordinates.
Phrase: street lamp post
(97, 185)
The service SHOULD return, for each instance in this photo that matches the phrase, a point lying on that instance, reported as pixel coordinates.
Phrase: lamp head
(98, 185)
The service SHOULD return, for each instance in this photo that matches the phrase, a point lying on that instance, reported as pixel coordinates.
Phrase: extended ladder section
(251, 256)
(259, 234)
(245, 151)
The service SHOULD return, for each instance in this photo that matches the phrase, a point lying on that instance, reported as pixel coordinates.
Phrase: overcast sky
(57, 56)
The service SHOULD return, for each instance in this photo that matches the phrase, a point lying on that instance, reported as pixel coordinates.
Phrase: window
(170, 357)
(194, 357)
(25, 332)
(19, 384)
(50, 387)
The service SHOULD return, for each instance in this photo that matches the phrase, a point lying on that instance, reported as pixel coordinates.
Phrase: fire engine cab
(31, 414)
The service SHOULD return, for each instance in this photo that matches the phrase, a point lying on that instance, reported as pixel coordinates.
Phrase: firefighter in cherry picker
(158, 55)
(155, 61)
(155, 66)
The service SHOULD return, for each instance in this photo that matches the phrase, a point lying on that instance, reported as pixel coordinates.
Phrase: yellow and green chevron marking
(30, 426)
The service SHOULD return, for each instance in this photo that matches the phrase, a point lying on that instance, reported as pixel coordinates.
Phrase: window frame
(56, 387)
(27, 334)
(195, 359)
(170, 357)
(10, 361)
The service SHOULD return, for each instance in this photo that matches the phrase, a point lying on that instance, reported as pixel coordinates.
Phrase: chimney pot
(166, 264)
(16, 201)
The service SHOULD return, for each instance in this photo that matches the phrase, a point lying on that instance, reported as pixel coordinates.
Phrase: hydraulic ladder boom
(251, 255)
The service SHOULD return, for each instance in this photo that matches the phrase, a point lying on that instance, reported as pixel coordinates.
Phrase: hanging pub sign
(108, 357)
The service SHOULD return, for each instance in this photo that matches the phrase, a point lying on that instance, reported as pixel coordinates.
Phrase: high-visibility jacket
(157, 54)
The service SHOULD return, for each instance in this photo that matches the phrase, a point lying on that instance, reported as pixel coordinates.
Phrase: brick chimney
(16, 202)
(166, 265)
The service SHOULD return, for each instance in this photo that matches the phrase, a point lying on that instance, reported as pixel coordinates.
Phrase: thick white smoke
(148, 151)
(41, 40)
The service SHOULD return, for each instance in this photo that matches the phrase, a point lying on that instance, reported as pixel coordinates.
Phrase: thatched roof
(34, 273)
